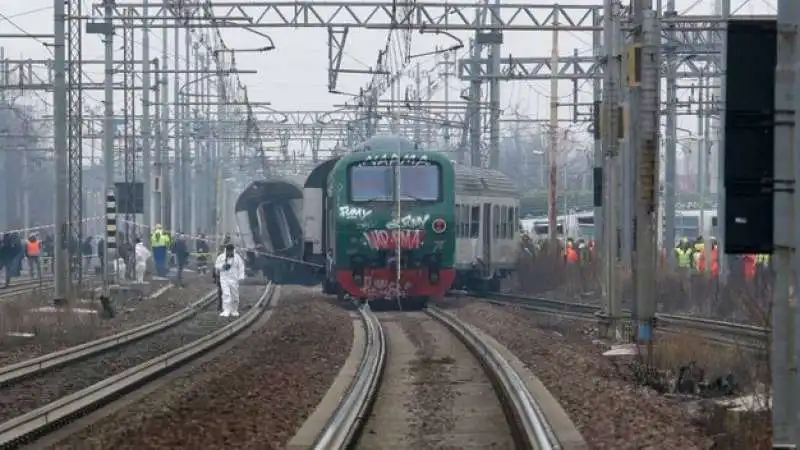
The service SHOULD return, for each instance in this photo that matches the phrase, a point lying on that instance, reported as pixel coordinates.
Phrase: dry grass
(709, 362)
(16, 316)
(738, 300)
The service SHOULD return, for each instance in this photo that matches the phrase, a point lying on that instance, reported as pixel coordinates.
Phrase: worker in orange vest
(571, 253)
(33, 250)
(699, 255)
(714, 258)
(749, 267)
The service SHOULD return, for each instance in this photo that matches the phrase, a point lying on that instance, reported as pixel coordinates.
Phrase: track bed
(26, 334)
(434, 392)
(609, 411)
(250, 394)
(28, 394)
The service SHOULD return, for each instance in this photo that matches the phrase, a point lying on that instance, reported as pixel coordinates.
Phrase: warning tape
(213, 239)
(44, 227)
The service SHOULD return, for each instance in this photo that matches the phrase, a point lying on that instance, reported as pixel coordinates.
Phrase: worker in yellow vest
(683, 255)
(159, 243)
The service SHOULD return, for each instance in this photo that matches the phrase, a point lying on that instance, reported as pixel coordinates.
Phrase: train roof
(484, 182)
(387, 143)
(392, 148)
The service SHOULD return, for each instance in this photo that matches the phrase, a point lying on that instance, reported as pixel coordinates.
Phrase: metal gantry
(75, 138)
(192, 129)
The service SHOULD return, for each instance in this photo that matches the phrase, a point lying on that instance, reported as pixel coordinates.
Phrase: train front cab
(424, 268)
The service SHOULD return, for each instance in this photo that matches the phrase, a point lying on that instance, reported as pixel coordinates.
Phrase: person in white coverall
(230, 268)
(142, 254)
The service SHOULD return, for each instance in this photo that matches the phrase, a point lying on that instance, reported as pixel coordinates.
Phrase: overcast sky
(294, 76)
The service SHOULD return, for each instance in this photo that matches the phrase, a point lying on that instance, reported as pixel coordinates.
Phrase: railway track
(23, 287)
(45, 393)
(727, 333)
(426, 379)
(27, 286)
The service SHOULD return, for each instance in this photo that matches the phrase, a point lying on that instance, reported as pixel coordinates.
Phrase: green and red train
(391, 221)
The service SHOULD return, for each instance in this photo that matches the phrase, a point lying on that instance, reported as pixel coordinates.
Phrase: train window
(475, 222)
(458, 220)
(496, 221)
(371, 183)
(385, 183)
(510, 223)
(465, 221)
(422, 183)
(516, 220)
(503, 221)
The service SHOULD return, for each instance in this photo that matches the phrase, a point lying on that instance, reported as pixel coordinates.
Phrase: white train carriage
(487, 233)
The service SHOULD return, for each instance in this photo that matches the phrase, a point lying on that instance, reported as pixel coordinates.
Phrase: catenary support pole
(610, 138)
(147, 175)
(174, 193)
(671, 144)
(725, 6)
(160, 137)
(647, 168)
(494, 91)
(599, 218)
(108, 128)
(62, 231)
(787, 234)
(185, 192)
(552, 149)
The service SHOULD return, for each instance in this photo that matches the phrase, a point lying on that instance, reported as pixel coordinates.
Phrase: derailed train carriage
(391, 221)
(268, 227)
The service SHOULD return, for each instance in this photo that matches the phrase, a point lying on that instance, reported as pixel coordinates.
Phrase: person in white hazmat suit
(230, 268)
(141, 254)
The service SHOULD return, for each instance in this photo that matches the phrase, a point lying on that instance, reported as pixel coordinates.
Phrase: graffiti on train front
(382, 288)
(409, 221)
(388, 239)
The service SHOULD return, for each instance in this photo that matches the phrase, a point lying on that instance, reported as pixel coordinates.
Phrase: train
(689, 223)
(267, 227)
(391, 221)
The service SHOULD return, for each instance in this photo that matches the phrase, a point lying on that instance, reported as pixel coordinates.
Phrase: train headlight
(433, 276)
(357, 263)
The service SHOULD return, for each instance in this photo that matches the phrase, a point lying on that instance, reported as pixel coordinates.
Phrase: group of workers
(13, 250)
(690, 256)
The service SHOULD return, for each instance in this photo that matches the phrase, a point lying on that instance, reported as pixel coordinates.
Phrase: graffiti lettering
(354, 212)
(381, 288)
(388, 239)
(408, 221)
(394, 159)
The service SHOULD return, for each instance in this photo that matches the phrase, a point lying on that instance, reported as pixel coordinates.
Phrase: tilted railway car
(405, 224)
(268, 223)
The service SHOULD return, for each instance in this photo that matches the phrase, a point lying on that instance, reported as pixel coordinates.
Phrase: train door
(486, 232)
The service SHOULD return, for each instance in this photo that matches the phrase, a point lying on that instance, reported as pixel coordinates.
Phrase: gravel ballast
(28, 394)
(609, 411)
(53, 331)
(255, 396)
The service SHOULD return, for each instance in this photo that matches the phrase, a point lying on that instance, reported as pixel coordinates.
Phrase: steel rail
(59, 412)
(34, 366)
(342, 429)
(594, 311)
(28, 286)
(531, 423)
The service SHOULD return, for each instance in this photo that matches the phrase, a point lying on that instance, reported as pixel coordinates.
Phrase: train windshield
(387, 183)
